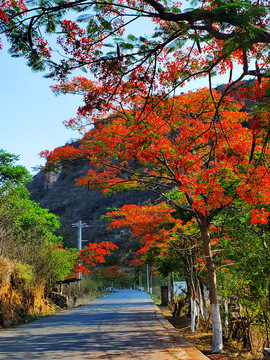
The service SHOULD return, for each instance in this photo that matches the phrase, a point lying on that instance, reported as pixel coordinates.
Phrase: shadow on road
(118, 324)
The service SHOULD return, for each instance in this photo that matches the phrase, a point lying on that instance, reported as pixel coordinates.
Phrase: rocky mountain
(58, 193)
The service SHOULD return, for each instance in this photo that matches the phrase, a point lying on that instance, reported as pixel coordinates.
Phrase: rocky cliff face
(51, 178)
(59, 194)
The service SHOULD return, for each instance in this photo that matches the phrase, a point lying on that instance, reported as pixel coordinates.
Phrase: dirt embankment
(21, 296)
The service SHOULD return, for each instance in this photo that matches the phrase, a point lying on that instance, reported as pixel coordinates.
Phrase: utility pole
(147, 278)
(80, 225)
(140, 281)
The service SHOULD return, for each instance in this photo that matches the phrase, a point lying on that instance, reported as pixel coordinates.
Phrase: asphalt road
(123, 325)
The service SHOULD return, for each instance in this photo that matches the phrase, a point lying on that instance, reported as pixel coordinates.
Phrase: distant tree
(92, 255)
(10, 174)
(112, 275)
(171, 243)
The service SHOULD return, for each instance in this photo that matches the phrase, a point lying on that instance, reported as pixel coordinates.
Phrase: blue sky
(31, 115)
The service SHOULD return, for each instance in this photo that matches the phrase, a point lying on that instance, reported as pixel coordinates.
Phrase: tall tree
(199, 159)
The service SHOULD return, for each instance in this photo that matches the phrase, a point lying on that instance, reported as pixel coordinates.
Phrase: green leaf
(126, 46)
(132, 37)
(106, 24)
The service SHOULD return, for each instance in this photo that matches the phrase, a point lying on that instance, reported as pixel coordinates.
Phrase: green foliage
(242, 263)
(11, 175)
(28, 231)
(25, 272)
(61, 263)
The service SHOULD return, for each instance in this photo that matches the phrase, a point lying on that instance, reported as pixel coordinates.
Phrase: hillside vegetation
(30, 258)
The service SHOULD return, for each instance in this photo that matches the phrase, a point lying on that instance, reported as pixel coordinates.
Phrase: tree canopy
(175, 43)
(200, 162)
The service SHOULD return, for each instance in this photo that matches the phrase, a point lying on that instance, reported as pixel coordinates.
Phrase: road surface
(122, 326)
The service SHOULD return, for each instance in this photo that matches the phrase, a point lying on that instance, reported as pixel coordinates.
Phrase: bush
(25, 272)
(90, 286)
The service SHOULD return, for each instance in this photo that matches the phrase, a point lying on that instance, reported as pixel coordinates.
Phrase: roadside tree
(172, 245)
(200, 158)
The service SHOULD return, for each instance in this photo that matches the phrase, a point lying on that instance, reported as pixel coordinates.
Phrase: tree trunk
(217, 340)
(203, 292)
(196, 296)
(171, 281)
(193, 304)
(226, 313)
(193, 314)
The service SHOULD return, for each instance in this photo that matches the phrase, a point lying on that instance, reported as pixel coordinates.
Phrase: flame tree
(197, 155)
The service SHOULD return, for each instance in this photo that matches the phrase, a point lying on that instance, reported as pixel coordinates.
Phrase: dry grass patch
(202, 339)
